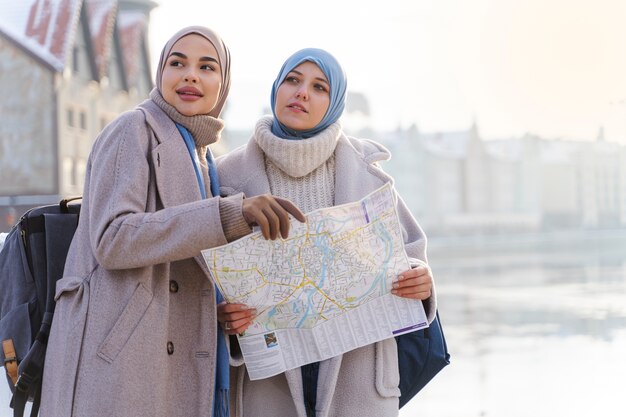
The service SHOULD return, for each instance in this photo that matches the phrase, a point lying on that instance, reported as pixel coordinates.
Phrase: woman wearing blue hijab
(301, 153)
(336, 77)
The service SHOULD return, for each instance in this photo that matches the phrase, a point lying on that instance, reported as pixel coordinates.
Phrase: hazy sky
(552, 67)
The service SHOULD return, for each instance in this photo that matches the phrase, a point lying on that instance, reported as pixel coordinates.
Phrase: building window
(74, 181)
(75, 56)
(81, 169)
(68, 169)
(70, 117)
(83, 120)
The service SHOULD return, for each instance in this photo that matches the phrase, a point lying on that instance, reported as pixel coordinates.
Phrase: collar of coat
(170, 158)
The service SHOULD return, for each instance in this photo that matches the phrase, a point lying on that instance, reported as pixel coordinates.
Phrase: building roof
(357, 102)
(452, 144)
(47, 29)
(505, 149)
(558, 151)
(101, 15)
(132, 28)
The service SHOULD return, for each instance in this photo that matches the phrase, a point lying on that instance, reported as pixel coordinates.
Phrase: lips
(189, 92)
(297, 107)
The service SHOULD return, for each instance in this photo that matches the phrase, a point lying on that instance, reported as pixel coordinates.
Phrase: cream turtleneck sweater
(301, 170)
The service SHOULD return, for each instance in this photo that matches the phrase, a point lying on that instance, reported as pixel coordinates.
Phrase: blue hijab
(338, 84)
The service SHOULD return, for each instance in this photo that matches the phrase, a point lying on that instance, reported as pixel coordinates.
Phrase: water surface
(536, 326)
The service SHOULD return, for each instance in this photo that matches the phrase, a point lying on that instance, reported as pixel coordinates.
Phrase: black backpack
(31, 261)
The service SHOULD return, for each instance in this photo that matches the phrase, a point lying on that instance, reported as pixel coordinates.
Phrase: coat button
(170, 348)
(173, 286)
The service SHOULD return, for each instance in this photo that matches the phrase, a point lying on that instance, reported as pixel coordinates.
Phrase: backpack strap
(19, 403)
(10, 359)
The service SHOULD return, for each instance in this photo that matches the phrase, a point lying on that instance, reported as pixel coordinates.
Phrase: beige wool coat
(360, 383)
(134, 331)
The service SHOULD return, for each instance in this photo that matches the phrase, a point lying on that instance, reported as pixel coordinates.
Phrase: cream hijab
(223, 57)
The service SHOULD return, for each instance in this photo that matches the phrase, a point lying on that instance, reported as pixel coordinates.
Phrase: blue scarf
(338, 86)
(221, 400)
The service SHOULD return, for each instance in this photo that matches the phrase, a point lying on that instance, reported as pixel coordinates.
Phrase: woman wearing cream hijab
(135, 331)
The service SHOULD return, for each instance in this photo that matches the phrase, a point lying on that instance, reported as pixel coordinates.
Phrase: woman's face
(303, 97)
(192, 78)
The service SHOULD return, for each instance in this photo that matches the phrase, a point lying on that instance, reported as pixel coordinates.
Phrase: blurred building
(457, 183)
(67, 68)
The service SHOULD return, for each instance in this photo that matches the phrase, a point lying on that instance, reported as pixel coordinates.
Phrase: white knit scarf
(296, 158)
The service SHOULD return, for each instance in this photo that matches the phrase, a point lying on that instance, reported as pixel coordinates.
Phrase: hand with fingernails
(416, 283)
(271, 214)
(235, 318)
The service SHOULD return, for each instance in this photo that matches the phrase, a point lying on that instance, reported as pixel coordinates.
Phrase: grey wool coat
(134, 331)
(362, 382)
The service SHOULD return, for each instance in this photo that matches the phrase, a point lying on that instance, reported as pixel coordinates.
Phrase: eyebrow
(204, 58)
(317, 78)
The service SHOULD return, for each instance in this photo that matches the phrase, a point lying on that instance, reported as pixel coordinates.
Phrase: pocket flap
(387, 372)
(126, 324)
(16, 326)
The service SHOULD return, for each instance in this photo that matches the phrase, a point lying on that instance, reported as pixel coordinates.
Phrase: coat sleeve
(122, 233)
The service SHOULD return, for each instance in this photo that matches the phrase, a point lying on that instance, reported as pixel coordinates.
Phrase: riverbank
(613, 239)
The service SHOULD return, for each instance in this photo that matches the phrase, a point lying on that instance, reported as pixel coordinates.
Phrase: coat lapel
(175, 176)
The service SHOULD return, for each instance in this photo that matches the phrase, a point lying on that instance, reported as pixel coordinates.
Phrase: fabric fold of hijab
(338, 89)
